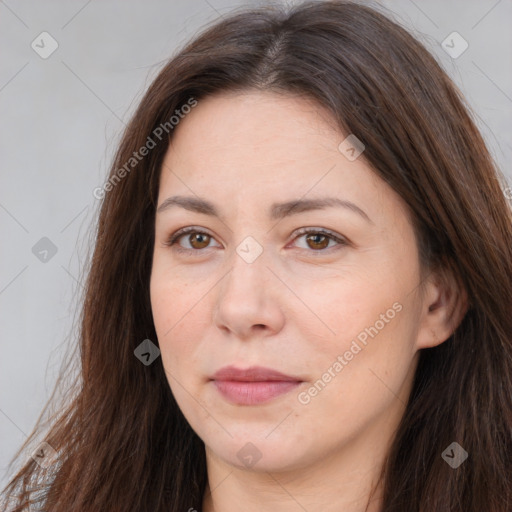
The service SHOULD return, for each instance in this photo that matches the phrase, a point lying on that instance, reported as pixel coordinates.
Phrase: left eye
(316, 239)
(320, 239)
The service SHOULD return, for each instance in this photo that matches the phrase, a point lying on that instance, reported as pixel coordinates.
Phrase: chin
(258, 454)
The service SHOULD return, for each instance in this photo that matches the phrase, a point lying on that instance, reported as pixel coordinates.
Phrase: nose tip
(245, 304)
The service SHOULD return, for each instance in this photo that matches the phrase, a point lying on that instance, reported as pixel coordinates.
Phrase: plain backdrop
(61, 117)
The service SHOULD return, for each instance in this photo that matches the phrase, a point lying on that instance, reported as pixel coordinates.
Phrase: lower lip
(252, 393)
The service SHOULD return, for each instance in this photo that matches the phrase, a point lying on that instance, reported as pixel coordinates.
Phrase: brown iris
(315, 238)
(200, 238)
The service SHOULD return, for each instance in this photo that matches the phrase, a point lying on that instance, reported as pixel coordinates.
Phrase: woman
(300, 291)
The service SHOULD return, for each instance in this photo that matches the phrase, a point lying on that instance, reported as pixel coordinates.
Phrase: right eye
(198, 240)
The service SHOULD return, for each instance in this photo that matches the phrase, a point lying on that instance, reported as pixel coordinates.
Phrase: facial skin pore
(296, 308)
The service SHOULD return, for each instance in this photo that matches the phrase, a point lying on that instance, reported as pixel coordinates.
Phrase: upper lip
(252, 374)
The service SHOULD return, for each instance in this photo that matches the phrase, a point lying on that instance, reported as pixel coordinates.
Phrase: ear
(445, 303)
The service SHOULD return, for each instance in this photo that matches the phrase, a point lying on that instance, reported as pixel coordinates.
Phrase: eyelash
(171, 241)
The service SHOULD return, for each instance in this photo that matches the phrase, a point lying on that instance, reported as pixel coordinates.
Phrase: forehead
(265, 147)
(267, 127)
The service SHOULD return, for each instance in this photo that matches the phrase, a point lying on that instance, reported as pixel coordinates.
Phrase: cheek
(173, 298)
(368, 325)
(355, 382)
(341, 307)
(182, 314)
(171, 310)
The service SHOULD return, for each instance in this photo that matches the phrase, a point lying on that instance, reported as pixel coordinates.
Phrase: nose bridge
(248, 269)
(244, 298)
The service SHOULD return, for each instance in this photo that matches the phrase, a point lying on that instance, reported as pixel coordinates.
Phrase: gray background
(60, 119)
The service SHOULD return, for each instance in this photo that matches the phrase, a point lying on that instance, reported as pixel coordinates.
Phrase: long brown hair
(122, 441)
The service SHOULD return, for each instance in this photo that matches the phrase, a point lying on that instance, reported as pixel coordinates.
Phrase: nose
(248, 300)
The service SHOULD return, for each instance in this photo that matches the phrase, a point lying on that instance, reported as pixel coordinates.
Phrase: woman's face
(339, 314)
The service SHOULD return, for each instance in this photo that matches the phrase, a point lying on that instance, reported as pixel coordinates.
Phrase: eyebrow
(277, 210)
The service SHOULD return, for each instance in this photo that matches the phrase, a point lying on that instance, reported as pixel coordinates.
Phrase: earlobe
(445, 305)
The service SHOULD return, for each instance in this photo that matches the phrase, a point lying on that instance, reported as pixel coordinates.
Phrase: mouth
(254, 385)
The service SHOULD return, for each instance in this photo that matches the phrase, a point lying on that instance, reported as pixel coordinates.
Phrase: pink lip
(253, 385)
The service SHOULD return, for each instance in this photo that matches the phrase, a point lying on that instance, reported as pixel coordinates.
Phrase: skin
(295, 308)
